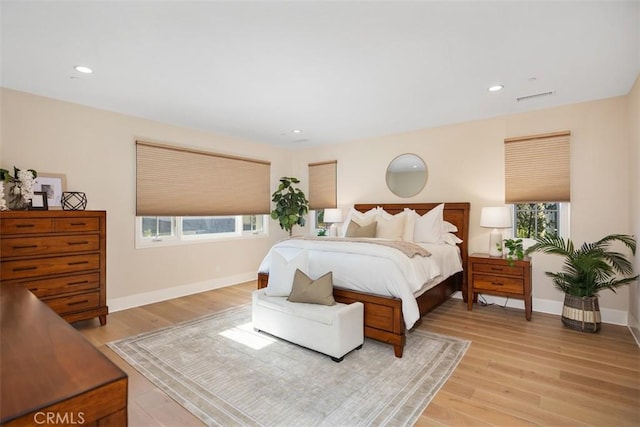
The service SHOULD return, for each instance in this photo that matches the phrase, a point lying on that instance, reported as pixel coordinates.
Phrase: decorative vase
(581, 313)
(74, 201)
(14, 199)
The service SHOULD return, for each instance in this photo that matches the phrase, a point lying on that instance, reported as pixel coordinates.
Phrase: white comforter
(374, 268)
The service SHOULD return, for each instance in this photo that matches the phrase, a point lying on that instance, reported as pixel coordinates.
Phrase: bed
(384, 319)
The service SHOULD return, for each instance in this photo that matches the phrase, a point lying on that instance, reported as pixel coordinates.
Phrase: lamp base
(495, 243)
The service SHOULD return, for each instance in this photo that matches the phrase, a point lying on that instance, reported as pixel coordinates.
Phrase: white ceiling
(338, 71)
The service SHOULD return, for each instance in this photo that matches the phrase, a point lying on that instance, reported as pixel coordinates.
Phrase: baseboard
(137, 300)
(633, 327)
(614, 317)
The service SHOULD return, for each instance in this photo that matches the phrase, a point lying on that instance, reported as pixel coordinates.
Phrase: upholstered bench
(334, 330)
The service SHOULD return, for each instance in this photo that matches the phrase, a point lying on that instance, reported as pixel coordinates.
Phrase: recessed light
(495, 88)
(83, 69)
(296, 131)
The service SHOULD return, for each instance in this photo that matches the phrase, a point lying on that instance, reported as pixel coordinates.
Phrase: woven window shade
(537, 168)
(175, 181)
(323, 185)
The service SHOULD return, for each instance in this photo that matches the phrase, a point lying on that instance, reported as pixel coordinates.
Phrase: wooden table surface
(48, 366)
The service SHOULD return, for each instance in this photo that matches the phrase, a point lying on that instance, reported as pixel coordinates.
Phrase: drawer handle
(25, 247)
(78, 223)
(77, 283)
(84, 301)
(25, 225)
(33, 289)
(32, 267)
(496, 269)
(497, 283)
(78, 243)
(78, 263)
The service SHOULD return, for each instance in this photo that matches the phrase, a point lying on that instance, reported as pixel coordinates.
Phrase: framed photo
(53, 184)
(39, 201)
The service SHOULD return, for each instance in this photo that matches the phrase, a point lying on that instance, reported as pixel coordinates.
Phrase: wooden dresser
(60, 256)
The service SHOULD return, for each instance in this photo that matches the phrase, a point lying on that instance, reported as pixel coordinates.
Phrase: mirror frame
(402, 184)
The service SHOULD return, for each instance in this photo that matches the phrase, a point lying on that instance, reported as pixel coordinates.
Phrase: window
(156, 227)
(168, 230)
(535, 220)
(320, 218)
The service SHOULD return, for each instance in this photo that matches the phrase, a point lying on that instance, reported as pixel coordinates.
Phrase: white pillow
(390, 226)
(428, 227)
(281, 272)
(447, 227)
(451, 239)
(409, 224)
(359, 218)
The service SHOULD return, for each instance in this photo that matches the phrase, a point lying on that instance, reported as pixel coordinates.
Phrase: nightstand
(494, 276)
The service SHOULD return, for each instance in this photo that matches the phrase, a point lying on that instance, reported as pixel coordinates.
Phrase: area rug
(226, 374)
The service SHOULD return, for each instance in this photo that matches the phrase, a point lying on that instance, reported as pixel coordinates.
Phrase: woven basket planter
(581, 313)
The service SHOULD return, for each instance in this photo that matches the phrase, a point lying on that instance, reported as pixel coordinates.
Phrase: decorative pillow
(359, 218)
(281, 272)
(356, 230)
(409, 224)
(319, 291)
(390, 226)
(447, 227)
(428, 227)
(451, 239)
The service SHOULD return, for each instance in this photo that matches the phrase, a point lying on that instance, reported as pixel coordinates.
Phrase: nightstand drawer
(497, 284)
(498, 269)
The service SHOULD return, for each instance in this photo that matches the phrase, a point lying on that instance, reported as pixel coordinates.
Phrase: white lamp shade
(332, 215)
(495, 217)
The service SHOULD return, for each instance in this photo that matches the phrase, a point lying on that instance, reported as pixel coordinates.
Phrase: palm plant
(590, 268)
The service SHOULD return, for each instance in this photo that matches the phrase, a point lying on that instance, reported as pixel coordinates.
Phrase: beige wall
(466, 163)
(634, 200)
(96, 151)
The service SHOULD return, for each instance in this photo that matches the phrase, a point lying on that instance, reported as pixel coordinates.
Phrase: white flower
(3, 203)
(26, 184)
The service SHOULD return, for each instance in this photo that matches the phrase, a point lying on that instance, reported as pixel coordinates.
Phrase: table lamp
(332, 216)
(495, 217)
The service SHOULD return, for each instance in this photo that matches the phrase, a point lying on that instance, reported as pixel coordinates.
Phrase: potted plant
(291, 204)
(515, 250)
(19, 191)
(587, 270)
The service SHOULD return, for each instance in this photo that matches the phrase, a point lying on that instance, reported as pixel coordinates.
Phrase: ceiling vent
(534, 96)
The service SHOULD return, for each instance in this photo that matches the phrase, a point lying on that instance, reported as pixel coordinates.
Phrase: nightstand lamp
(332, 216)
(495, 217)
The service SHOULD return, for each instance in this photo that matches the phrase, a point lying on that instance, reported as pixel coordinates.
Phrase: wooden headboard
(456, 213)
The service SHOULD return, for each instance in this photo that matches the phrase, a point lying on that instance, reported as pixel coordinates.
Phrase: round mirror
(406, 175)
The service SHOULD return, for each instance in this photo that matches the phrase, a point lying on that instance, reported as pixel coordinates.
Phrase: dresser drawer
(49, 245)
(497, 283)
(63, 285)
(76, 224)
(498, 269)
(46, 266)
(73, 303)
(25, 225)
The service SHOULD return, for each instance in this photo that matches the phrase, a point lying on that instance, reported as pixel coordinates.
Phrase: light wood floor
(514, 373)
